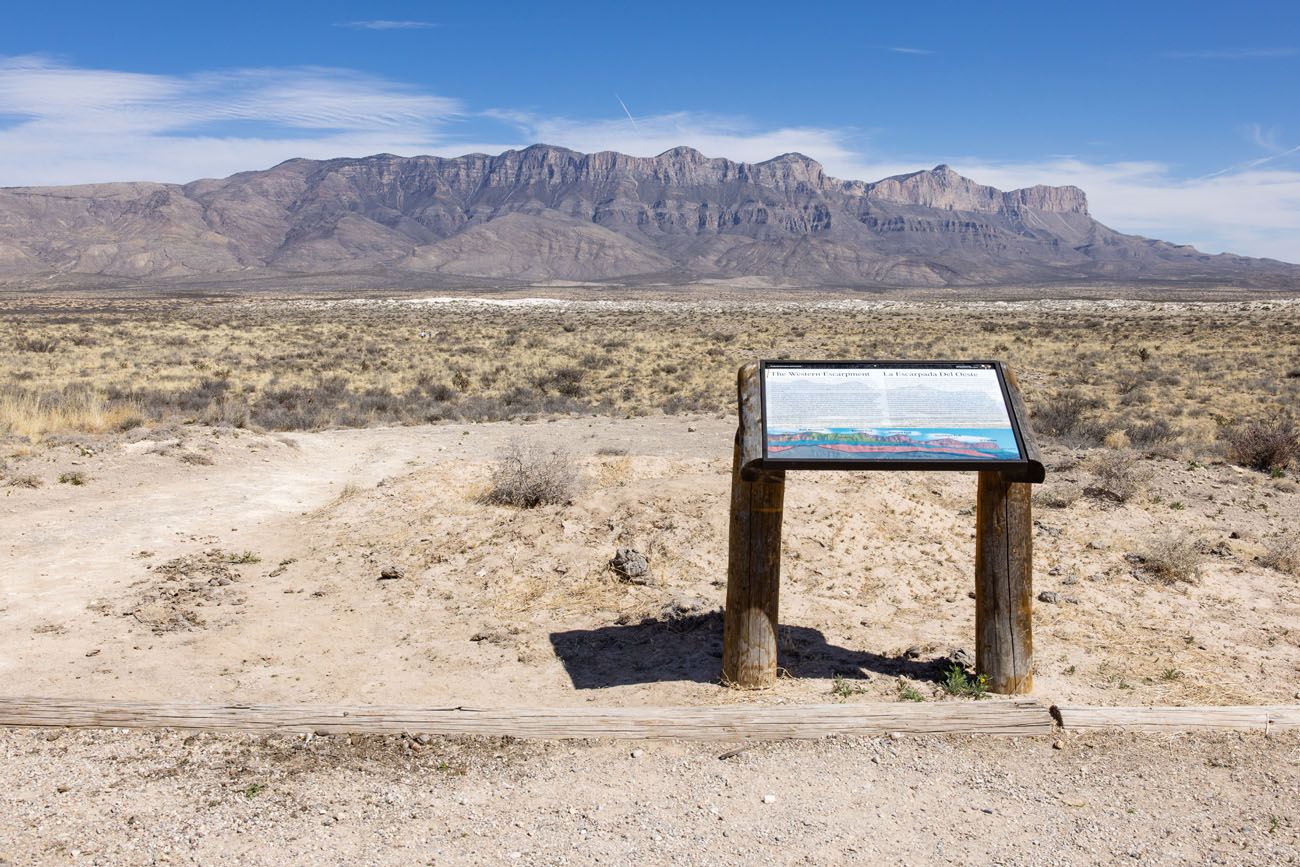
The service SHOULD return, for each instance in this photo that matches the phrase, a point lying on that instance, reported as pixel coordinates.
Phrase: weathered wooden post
(1004, 582)
(754, 549)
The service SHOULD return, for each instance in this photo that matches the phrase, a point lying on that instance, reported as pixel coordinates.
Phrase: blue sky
(1180, 120)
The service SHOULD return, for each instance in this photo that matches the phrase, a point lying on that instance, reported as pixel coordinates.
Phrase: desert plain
(262, 498)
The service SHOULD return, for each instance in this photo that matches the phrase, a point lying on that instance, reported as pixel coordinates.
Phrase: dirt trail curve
(66, 548)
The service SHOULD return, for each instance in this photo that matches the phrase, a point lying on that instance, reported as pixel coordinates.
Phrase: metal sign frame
(1028, 468)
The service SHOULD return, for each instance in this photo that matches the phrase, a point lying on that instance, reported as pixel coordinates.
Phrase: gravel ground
(116, 797)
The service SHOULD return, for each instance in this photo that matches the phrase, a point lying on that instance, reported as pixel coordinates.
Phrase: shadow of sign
(687, 648)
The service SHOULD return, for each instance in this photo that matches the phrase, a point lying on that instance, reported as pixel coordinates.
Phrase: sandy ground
(123, 587)
(165, 798)
(214, 565)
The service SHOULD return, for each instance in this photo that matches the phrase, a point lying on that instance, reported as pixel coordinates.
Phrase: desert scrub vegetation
(1171, 377)
(1270, 445)
(527, 475)
(1170, 558)
(32, 415)
(1118, 475)
(1283, 553)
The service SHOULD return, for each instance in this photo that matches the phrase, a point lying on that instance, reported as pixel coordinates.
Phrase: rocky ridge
(544, 213)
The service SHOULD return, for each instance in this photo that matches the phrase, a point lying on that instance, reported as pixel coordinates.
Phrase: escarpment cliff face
(550, 213)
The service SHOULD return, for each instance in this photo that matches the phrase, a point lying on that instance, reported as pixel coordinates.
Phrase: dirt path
(75, 556)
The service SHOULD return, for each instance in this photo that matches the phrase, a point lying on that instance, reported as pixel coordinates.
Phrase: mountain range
(548, 213)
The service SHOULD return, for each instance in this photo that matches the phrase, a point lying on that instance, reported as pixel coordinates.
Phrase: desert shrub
(1170, 559)
(1147, 434)
(229, 411)
(566, 381)
(1118, 475)
(527, 475)
(1264, 445)
(440, 392)
(72, 477)
(1070, 417)
(304, 407)
(1058, 496)
(36, 344)
(1283, 553)
(25, 480)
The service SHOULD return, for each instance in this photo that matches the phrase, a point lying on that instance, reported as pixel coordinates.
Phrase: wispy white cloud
(386, 24)
(899, 49)
(1247, 210)
(1265, 139)
(1231, 54)
(72, 125)
(1251, 211)
(715, 135)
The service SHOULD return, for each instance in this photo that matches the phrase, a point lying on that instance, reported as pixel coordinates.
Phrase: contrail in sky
(626, 112)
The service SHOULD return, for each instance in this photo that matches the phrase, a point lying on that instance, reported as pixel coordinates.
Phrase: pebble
(390, 573)
(769, 798)
(636, 754)
(1058, 745)
(1050, 596)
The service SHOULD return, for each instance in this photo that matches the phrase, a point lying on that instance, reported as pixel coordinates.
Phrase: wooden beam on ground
(1263, 718)
(726, 723)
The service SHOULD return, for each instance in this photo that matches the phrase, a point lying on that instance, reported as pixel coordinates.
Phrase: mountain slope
(547, 212)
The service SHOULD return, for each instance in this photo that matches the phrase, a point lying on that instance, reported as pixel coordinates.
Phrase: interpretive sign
(883, 415)
(935, 415)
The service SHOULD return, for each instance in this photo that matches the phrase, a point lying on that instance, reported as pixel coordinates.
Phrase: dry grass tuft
(1119, 476)
(1283, 553)
(1171, 559)
(526, 476)
(32, 415)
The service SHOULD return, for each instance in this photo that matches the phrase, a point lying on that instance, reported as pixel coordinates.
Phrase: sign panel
(888, 415)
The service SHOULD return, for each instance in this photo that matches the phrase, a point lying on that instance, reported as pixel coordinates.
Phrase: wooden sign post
(1005, 456)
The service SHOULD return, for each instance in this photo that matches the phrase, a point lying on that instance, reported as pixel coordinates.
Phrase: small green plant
(245, 557)
(252, 790)
(73, 477)
(957, 682)
(1177, 505)
(907, 692)
(842, 687)
(1171, 674)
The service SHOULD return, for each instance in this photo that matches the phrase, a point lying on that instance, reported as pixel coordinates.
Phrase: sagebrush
(527, 475)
